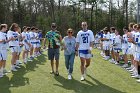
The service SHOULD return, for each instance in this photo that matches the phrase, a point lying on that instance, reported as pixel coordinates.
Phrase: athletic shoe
(1, 75)
(138, 80)
(135, 76)
(16, 66)
(31, 58)
(125, 66)
(18, 62)
(106, 58)
(82, 78)
(116, 63)
(57, 73)
(131, 70)
(69, 77)
(111, 60)
(51, 72)
(13, 69)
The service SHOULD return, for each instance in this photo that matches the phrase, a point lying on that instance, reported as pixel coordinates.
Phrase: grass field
(102, 77)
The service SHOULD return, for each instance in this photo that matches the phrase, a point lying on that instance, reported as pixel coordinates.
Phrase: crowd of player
(118, 47)
(111, 43)
(13, 39)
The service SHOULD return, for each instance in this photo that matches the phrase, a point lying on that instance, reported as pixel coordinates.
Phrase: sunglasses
(84, 25)
(70, 32)
(53, 26)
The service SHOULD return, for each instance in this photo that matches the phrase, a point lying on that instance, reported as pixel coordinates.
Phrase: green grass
(102, 77)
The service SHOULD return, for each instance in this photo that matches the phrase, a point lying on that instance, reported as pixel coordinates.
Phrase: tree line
(68, 13)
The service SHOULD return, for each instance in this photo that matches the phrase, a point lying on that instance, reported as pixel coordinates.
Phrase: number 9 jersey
(84, 38)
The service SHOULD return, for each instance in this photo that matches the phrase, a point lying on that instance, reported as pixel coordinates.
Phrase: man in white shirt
(84, 40)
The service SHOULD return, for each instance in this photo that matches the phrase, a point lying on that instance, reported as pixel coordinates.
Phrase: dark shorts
(53, 53)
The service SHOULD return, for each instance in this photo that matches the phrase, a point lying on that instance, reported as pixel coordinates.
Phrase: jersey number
(85, 39)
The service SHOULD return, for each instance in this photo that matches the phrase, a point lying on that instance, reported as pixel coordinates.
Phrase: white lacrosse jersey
(84, 38)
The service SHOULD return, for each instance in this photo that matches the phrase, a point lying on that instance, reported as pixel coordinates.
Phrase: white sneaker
(111, 60)
(18, 62)
(82, 78)
(106, 58)
(69, 77)
(13, 69)
(17, 66)
(116, 63)
(135, 76)
(1, 75)
(138, 80)
(125, 66)
(131, 70)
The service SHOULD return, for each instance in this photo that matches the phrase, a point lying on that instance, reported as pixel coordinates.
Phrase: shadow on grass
(81, 87)
(39, 60)
(18, 78)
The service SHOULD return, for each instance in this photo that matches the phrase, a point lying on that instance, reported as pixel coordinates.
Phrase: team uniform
(117, 43)
(97, 38)
(111, 41)
(125, 44)
(84, 38)
(133, 46)
(106, 42)
(20, 43)
(37, 41)
(13, 44)
(137, 47)
(25, 41)
(3, 46)
(32, 39)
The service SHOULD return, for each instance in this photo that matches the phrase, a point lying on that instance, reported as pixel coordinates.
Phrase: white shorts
(34, 45)
(26, 48)
(86, 56)
(38, 45)
(106, 48)
(19, 49)
(14, 49)
(111, 48)
(125, 51)
(137, 56)
(132, 51)
(3, 54)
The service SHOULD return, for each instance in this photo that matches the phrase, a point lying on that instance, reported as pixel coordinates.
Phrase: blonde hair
(70, 29)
